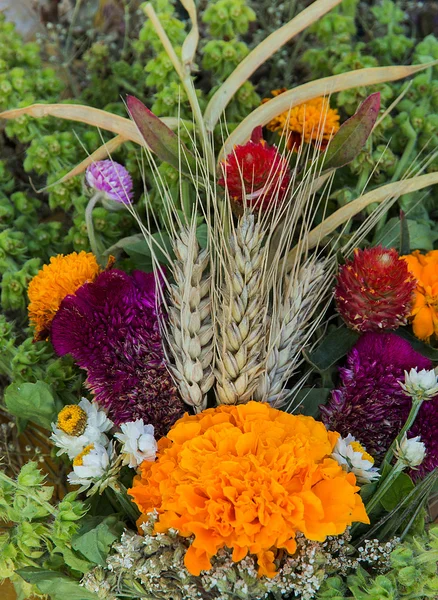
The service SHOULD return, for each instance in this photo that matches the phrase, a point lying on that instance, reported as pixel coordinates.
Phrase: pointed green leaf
(352, 135)
(405, 244)
(160, 139)
(333, 347)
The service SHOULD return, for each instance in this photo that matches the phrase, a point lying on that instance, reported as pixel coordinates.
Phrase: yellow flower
(79, 460)
(72, 420)
(63, 276)
(313, 121)
(248, 478)
(357, 447)
(424, 314)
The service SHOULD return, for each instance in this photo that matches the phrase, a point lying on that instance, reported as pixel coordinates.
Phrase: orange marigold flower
(247, 477)
(313, 121)
(424, 314)
(63, 276)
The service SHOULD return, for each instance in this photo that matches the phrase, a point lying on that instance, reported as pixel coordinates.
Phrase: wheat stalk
(190, 329)
(240, 318)
(290, 328)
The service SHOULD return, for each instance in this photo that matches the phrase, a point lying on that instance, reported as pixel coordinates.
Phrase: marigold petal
(423, 323)
(196, 560)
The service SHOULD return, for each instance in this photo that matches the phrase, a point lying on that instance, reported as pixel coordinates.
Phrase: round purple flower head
(111, 328)
(370, 403)
(112, 179)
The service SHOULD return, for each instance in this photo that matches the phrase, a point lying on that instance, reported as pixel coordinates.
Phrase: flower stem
(416, 404)
(90, 226)
(127, 506)
(384, 487)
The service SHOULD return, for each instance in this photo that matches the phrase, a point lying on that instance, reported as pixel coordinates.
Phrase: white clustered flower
(138, 443)
(96, 423)
(90, 465)
(411, 451)
(421, 385)
(352, 457)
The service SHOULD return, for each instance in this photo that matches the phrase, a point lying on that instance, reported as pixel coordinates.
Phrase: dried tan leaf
(190, 44)
(260, 55)
(347, 212)
(86, 114)
(321, 87)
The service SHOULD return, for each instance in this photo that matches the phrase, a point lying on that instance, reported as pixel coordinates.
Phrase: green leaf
(73, 560)
(96, 536)
(367, 491)
(333, 347)
(54, 584)
(202, 235)
(140, 251)
(352, 135)
(418, 345)
(308, 400)
(32, 401)
(398, 490)
(421, 235)
(160, 139)
(405, 242)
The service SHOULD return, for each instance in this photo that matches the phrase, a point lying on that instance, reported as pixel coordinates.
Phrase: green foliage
(35, 526)
(412, 574)
(404, 137)
(227, 18)
(31, 402)
(96, 536)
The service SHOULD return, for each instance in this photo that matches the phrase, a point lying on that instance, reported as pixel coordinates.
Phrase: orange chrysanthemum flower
(313, 121)
(247, 477)
(424, 314)
(63, 276)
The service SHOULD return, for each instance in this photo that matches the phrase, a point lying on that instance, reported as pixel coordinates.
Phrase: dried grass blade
(260, 55)
(88, 115)
(347, 212)
(321, 87)
(190, 44)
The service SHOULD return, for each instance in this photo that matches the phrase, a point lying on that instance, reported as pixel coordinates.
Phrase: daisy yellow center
(357, 447)
(72, 420)
(79, 460)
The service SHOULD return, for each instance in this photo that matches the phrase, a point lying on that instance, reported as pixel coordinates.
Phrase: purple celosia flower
(112, 179)
(111, 328)
(371, 405)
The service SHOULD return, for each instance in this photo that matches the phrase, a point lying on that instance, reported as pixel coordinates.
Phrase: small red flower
(256, 174)
(374, 291)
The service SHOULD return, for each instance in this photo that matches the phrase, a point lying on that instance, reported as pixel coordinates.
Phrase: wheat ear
(240, 315)
(190, 330)
(290, 328)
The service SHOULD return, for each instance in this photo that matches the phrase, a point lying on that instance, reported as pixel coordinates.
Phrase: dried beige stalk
(190, 330)
(290, 328)
(240, 320)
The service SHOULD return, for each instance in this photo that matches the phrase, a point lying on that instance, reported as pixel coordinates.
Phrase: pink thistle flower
(112, 179)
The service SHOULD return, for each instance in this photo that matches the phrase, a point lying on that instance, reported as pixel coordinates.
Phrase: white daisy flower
(79, 425)
(411, 451)
(421, 385)
(90, 465)
(352, 457)
(138, 443)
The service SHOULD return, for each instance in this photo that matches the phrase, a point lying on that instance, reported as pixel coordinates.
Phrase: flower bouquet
(213, 451)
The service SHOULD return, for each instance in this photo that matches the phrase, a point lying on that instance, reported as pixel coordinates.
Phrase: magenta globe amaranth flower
(371, 405)
(111, 328)
(112, 179)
